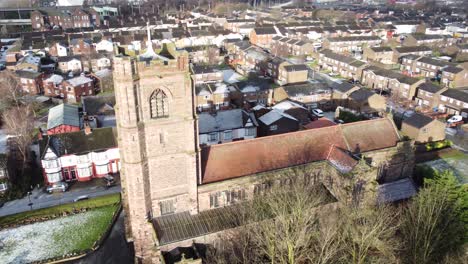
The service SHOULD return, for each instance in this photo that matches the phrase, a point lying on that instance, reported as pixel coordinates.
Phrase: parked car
(317, 112)
(109, 180)
(80, 198)
(333, 74)
(57, 187)
(455, 119)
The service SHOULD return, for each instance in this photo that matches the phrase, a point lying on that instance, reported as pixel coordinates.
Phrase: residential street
(41, 199)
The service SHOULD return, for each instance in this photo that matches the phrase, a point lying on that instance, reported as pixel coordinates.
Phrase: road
(40, 199)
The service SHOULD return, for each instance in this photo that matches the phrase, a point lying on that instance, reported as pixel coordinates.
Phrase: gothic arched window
(159, 104)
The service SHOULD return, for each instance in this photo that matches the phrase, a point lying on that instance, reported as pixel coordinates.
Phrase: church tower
(157, 141)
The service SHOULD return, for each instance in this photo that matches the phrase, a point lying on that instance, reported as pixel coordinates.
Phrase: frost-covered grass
(54, 238)
(58, 210)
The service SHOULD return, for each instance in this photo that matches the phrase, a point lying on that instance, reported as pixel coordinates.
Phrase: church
(173, 190)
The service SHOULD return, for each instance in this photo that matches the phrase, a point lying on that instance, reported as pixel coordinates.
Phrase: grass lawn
(55, 238)
(101, 201)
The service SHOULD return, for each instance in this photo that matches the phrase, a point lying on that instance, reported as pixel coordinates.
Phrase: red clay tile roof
(322, 122)
(341, 160)
(242, 158)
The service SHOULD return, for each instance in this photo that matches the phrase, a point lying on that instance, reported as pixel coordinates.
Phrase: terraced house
(345, 66)
(353, 43)
(398, 84)
(379, 54)
(284, 47)
(414, 50)
(455, 76)
(423, 66)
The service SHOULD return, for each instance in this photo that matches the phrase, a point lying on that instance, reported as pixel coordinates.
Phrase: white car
(317, 112)
(455, 119)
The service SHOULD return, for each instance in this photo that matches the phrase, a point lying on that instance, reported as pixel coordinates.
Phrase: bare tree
(10, 90)
(19, 123)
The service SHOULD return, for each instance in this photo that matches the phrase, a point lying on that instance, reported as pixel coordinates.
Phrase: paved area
(41, 199)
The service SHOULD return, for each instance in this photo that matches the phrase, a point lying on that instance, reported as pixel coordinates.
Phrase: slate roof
(295, 67)
(343, 87)
(429, 87)
(458, 94)
(223, 120)
(237, 159)
(96, 105)
(354, 38)
(300, 89)
(63, 114)
(431, 61)
(392, 75)
(418, 120)
(452, 69)
(78, 142)
(200, 69)
(361, 95)
(273, 116)
(396, 191)
(265, 31)
(410, 49)
(381, 49)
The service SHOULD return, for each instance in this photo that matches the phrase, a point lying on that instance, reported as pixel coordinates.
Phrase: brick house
(81, 46)
(206, 74)
(428, 40)
(204, 54)
(212, 96)
(428, 95)
(454, 101)
(30, 82)
(235, 25)
(399, 52)
(285, 47)
(59, 49)
(311, 95)
(226, 126)
(423, 66)
(454, 77)
(63, 118)
(399, 84)
(348, 44)
(366, 101)
(345, 66)
(76, 87)
(52, 85)
(79, 156)
(295, 73)
(46, 19)
(380, 54)
(423, 129)
(276, 122)
(262, 36)
(272, 66)
(70, 63)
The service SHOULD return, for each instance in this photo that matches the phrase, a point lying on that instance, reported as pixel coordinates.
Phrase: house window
(84, 172)
(273, 127)
(212, 137)
(228, 135)
(102, 169)
(167, 207)
(54, 177)
(159, 104)
(424, 130)
(3, 187)
(2, 173)
(250, 131)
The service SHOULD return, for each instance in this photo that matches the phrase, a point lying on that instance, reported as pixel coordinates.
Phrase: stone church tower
(157, 134)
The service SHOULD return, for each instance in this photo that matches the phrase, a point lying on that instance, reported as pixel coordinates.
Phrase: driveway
(41, 199)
